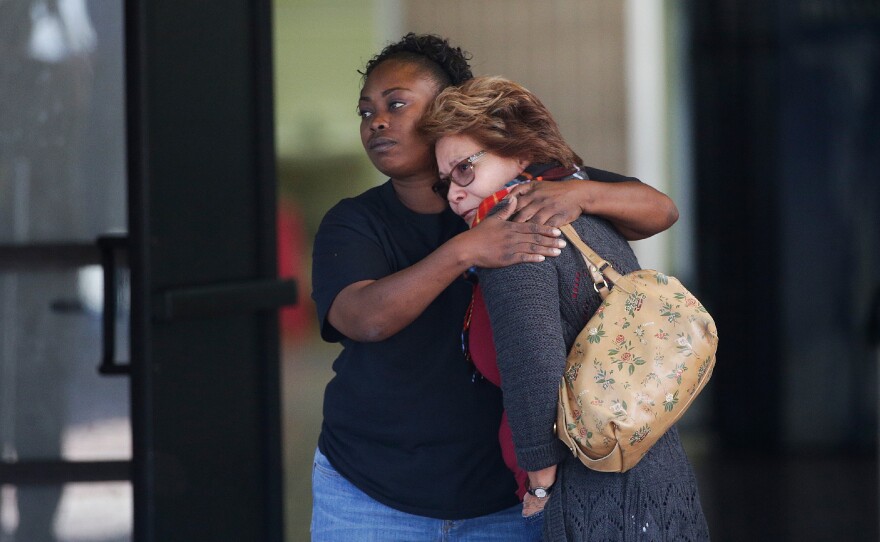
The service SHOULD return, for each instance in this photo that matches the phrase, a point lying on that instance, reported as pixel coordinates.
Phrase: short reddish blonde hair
(503, 117)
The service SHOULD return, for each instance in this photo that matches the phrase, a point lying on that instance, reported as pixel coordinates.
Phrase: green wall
(319, 46)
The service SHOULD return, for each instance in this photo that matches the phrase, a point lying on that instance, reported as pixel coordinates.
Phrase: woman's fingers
(548, 212)
(506, 208)
(534, 242)
(540, 214)
(549, 203)
(534, 253)
(540, 233)
(499, 242)
(532, 505)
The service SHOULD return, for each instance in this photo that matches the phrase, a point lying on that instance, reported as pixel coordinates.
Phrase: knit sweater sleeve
(523, 305)
(536, 311)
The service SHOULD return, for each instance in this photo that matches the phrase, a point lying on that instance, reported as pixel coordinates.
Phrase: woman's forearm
(374, 310)
(636, 209)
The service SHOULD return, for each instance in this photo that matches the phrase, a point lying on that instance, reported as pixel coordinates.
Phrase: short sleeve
(594, 174)
(347, 249)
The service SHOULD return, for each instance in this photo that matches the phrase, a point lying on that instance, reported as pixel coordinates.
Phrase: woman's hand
(497, 242)
(532, 505)
(549, 203)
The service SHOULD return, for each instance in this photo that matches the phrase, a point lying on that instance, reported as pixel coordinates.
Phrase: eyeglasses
(462, 174)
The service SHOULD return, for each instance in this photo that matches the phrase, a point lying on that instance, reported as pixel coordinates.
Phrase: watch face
(540, 492)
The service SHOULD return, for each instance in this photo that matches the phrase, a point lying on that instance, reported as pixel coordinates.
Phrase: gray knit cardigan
(536, 311)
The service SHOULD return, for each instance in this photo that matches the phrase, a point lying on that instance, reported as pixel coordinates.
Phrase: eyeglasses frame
(442, 186)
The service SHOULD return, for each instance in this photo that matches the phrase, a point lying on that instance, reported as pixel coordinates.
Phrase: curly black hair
(447, 65)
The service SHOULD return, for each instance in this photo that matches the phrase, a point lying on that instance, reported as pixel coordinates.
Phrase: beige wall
(568, 52)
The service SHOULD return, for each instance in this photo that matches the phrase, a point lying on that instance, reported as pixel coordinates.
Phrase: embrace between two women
(456, 316)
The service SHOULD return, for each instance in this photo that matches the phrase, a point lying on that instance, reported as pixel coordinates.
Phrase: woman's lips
(381, 144)
(468, 216)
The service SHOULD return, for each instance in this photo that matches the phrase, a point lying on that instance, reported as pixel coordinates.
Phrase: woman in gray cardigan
(487, 132)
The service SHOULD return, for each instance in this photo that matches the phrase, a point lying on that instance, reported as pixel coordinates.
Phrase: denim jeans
(343, 513)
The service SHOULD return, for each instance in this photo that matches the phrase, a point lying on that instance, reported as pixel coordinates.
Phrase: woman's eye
(464, 166)
(395, 105)
(364, 114)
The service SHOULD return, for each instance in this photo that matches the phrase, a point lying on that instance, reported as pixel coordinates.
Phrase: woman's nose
(380, 122)
(456, 193)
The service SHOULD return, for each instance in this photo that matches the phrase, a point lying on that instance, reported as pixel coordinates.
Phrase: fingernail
(556, 231)
(562, 243)
(540, 258)
(556, 251)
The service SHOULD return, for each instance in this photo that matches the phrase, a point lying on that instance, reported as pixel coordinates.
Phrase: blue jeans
(343, 513)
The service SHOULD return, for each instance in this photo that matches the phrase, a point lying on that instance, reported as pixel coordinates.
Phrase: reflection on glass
(62, 122)
(85, 513)
(62, 180)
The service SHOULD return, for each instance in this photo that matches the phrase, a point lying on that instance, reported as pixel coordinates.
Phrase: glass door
(65, 437)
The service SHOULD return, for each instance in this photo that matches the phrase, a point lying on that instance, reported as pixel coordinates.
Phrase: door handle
(111, 246)
(218, 300)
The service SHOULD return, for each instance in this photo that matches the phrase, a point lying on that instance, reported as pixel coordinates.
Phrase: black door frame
(205, 376)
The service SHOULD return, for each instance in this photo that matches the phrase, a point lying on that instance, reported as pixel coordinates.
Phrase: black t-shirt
(403, 420)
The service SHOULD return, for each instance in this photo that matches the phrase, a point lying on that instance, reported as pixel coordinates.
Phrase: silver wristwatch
(540, 491)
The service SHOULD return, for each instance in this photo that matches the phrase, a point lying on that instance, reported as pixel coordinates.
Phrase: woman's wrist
(542, 478)
(586, 196)
(462, 252)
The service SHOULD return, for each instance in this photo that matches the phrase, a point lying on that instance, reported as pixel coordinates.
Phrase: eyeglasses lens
(462, 175)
